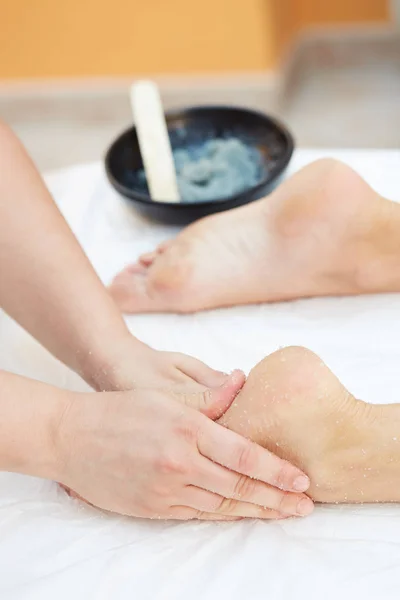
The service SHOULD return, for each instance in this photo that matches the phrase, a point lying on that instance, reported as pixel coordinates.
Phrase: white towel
(52, 547)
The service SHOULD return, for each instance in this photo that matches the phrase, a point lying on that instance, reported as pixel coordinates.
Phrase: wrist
(114, 365)
(29, 416)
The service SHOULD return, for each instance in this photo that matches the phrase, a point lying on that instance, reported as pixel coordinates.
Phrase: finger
(230, 509)
(233, 451)
(214, 517)
(214, 402)
(184, 513)
(204, 501)
(70, 492)
(73, 494)
(229, 484)
(200, 372)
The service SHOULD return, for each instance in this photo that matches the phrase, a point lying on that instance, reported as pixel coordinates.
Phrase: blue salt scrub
(216, 169)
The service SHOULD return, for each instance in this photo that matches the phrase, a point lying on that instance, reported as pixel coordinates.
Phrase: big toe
(158, 288)
(129, 290)
(148, 258)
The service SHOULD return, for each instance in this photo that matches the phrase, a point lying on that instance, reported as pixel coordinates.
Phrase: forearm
(47, 284)
(30, 413)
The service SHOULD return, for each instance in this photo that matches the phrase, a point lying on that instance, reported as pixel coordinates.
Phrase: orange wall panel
(58, 38)
(74, 38)
(342, 11)
(293, 16)
(285, 14)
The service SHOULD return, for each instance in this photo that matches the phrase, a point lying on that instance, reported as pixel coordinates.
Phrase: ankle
(378, 252)
(385, 484)
(374, 461)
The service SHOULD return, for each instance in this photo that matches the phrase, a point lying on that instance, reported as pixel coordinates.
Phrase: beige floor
(332, 94)
(345, 91)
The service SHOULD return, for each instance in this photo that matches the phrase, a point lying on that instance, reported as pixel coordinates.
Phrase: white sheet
(53, 547)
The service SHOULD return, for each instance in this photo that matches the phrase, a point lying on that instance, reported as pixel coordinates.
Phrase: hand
(129, 364)
(148, 453)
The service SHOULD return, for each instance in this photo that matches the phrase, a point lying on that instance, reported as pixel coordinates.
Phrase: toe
(129, 292)
(160, 282)
(133, 269)
(148, 258)
(170, 273)
(140, 289)
(164, 246)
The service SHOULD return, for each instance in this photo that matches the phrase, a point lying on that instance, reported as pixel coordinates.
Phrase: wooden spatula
(154, 142)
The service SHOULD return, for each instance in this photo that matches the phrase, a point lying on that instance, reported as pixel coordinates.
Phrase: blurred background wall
(85, 38)
(294, 16)
(329, 68)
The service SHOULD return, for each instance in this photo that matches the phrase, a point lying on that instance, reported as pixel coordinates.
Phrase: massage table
(53, 547)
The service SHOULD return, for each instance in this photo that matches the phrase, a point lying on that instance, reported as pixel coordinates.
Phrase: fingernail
(305, 507)
(239, 377)
(234, 378)
(227, 381)
(301, 484)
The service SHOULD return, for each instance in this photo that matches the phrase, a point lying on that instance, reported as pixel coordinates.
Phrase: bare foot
(295, 407)
(322, 232)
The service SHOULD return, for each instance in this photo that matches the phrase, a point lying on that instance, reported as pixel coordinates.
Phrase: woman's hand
(149, 453)
(128, 364)
(139, 452)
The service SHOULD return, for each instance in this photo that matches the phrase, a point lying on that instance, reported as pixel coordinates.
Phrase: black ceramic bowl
(195, 126)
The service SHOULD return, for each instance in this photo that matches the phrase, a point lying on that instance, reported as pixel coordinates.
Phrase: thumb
(214, 402)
